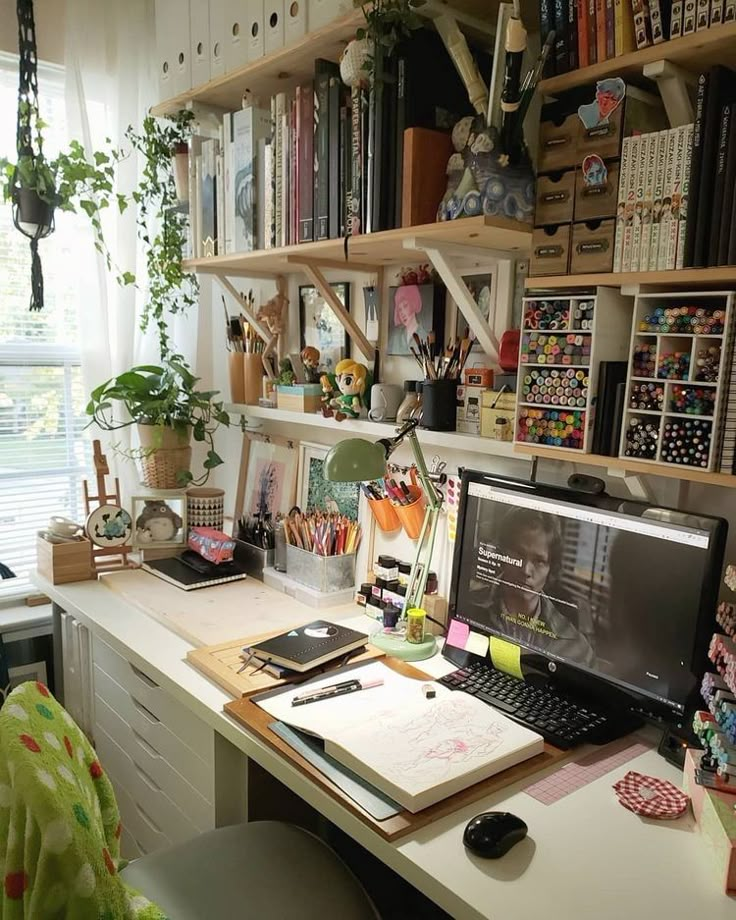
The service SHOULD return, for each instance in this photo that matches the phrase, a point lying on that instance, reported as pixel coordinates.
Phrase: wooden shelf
(695, 52)
(702, 277)
(274, 73)
(632, 466)
(373, 250)
(451, 440)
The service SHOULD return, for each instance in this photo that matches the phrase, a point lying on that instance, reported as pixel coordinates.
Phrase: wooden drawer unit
(200, 810)
(555, 198)
(144, 790)
(592, 247)
(596, 202)
(197, 768)
(144, 690)
(558, 144)
(604, 139)
(550, 251)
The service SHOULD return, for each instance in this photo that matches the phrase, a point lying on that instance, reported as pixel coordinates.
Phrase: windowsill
(19, 616)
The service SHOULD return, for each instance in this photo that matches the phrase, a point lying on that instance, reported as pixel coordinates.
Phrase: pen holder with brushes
(252, 378)
(439, 404)
(385, 514)
(412, 515)
(235, 367)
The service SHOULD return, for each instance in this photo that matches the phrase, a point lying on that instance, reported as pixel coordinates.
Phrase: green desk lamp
(358, 460)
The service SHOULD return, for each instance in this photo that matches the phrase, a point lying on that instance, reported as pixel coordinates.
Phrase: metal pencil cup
(327, 574)
(254, 559)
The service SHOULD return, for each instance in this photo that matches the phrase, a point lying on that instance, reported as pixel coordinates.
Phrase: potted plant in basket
(169, 410)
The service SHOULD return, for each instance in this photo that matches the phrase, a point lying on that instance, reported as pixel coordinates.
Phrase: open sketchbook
(417, 751)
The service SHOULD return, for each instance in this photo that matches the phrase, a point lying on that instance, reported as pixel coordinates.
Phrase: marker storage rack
(564, 338)
(680, 359)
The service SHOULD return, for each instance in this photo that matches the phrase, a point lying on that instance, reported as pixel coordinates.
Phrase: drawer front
(603, 139)
(197, 768)
(550, 251)
(555, 196)
(558, 144)
(199, 809)
(144, 790)
(190, 730)
(129, 847)
(594, 202)
(592, 247)
(147, 835)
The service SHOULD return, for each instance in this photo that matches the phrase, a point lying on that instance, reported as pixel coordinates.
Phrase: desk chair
(60, 844)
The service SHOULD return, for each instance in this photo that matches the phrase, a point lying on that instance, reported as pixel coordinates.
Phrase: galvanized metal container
(327, 574)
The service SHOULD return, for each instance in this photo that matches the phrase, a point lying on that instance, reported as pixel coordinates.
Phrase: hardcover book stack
(711, 233)
(326, 160)
(586, 31)
(653, 201)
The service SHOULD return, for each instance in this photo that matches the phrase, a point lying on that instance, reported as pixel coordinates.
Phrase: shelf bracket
(314, 273)
(637, 486)
(452, 275)
(673, 84)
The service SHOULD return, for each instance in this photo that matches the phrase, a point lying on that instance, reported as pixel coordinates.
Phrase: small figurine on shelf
(351, 382)
(310, 359)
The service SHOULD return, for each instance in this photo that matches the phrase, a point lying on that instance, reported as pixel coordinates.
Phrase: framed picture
(320, 328)
(159, 520)
(415, 308)
(482, 285)
(271, 476)
(314, 491)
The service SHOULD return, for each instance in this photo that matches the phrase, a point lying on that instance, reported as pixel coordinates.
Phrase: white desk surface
(586, 857)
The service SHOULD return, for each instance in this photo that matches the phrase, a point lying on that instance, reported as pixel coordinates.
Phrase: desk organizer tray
(258, 723)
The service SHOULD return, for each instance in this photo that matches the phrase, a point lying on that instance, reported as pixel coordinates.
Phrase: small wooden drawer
(558, 144)
(63, 563)
(596, 202)
(592, 247)
(604, 139)
(550, 250)
(555, 197)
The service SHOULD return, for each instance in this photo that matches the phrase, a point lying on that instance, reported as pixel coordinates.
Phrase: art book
(418, 751)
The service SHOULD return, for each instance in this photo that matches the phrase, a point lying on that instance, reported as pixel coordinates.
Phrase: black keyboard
(561, 720)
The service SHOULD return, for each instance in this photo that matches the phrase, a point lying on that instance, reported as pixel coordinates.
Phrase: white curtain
(111, 84)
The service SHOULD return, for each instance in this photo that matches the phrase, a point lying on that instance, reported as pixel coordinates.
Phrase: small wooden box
(558, 144)
(62, 563)
(303, 397)
(550, 251)
(555, 197)
(592, 247)
(604, 139)
(596, 202)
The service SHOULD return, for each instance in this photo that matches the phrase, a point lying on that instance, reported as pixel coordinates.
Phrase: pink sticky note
(457, 634)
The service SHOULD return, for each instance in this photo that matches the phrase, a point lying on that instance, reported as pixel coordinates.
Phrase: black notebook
(309, 646)
(183, 576)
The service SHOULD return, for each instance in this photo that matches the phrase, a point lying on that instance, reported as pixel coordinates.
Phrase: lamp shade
(355, 460)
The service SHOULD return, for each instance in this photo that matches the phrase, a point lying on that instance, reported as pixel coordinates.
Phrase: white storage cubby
(564, 338)
(679, 361)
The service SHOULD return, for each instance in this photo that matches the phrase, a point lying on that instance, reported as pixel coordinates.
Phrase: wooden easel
(104, 497)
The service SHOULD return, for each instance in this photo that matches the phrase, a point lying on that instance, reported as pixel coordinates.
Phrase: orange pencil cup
(385, 514)
(235, 365)
(252, 379)
(412, 516)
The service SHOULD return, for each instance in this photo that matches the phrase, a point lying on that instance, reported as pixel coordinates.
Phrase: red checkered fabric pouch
(649, 796)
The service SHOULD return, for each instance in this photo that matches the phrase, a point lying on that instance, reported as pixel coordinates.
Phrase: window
(44, 453)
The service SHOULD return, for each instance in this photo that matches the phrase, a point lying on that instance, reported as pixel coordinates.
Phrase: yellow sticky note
(477, 644)
(506, 656)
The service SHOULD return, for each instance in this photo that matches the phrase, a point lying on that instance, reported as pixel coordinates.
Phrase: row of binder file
(197, 40)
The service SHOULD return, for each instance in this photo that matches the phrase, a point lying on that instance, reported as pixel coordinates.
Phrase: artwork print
(267, 488)
(342, 497)
(270, 483)
(320, 328)
(482, 288)
(412, 310)
(159, 521)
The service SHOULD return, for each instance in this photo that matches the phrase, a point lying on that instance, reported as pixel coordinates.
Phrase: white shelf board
(452, 440)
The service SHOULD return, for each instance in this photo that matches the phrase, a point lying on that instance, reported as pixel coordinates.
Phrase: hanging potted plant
(387, 23)
(169, 411)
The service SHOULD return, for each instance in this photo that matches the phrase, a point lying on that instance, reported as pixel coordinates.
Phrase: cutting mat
(579, 773)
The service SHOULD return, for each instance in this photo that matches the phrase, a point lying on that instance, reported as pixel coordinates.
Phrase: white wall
(49, 17)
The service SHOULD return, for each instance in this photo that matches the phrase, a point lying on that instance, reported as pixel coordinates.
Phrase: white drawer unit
(138, 825)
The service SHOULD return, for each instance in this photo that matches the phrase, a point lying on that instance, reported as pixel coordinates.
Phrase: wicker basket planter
(165, 453)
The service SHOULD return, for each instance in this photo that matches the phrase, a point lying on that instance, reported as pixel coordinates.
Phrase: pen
(353, 682)
(327, 694)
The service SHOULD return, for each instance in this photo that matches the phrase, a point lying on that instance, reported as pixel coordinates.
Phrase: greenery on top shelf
(389, 22)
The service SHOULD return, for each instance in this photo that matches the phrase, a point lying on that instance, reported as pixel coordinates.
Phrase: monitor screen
(610, 587)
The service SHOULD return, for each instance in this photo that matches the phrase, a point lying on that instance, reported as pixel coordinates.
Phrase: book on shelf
(642, 27)
(249, 126)
(717, 8)
(630, 205)
(623, 178)
(667, 191)
(702, 15)
(561, 57)
(648, 203)
(676, 18)
(389, 734)
(659, 15)
(729, 200)
(639, 185)
(719, 185)
(610, 375)
(689, 17)
(600, 30)
(573, 59)
(684, 201)
(589, 31)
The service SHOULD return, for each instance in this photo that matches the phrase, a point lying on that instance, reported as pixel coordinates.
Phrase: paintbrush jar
(439, 405)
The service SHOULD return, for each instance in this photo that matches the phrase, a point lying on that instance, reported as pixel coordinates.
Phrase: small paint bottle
(415, 622)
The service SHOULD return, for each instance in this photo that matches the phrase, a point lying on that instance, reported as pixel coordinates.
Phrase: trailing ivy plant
(162, 224)
(387, 23)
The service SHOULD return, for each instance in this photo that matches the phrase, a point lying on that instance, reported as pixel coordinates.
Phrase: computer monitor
(610, 596)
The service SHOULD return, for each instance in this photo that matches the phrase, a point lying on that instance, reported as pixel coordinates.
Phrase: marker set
(551, 427)
(718, 761)
(722, 652)
(691, 320)
(552, 315)
(726, 618)
(556, 349)
(556, 387)
(679, 342)
(721, 704)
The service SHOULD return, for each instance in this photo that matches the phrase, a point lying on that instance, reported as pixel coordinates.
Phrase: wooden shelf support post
(315, 275)
(452, 275)
(673, 83)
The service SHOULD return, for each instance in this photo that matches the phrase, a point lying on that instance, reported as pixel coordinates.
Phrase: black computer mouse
(493, 833)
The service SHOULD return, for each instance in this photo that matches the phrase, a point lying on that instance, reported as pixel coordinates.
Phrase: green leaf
(128, 278)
